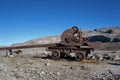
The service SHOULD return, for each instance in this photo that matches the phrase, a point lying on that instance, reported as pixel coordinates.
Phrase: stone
(117, 57)
(47, 64)
(11, 56)
(100, 57)
(82, 67)
(42, 73)
(58, 73)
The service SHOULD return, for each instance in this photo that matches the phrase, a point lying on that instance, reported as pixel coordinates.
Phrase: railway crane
(72, 41)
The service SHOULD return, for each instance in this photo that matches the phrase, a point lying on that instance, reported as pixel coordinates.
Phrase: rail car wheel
(55, 55)
(79, 56)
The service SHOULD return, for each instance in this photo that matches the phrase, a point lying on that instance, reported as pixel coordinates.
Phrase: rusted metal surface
(95, 44)
(73, 36)
(72, 41)
(68, 35)
(80, 56)
(17, 51)
(27, 46)
(55, 54)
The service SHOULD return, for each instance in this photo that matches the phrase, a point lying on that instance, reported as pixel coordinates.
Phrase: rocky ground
(30, 66)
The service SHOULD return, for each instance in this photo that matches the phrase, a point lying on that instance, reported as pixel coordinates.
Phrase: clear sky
(22, 20)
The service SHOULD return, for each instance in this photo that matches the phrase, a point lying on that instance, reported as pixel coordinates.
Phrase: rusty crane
(72, 41)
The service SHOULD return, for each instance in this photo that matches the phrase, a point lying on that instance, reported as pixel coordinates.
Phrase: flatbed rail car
(72, 41)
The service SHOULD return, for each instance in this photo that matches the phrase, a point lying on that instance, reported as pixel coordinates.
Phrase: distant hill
(108, 34)
(42, 40)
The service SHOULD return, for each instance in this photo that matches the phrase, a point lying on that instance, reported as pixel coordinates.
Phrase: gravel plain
(30, 66)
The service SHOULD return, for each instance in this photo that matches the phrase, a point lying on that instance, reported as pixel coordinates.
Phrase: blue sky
(22, 20)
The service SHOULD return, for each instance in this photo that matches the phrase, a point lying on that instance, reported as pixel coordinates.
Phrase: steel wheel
(79, 56)
(55, 55)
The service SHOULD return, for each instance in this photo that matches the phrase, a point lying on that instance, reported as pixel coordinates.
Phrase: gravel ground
(28, 67)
